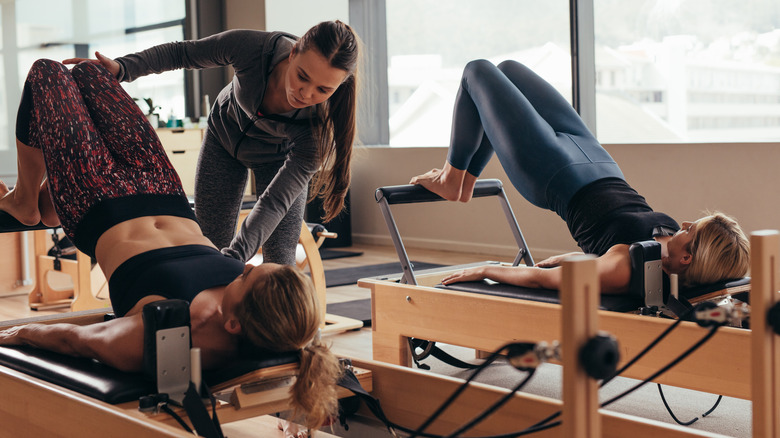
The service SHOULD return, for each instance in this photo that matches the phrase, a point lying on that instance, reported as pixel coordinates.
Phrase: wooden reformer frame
(34, 407)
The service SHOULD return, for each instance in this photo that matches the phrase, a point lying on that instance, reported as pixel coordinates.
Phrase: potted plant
(151, 113)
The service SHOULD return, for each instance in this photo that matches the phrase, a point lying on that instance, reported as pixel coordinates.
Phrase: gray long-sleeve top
(235, 121)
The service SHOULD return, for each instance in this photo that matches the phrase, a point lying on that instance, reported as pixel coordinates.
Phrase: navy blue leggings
(545, 148)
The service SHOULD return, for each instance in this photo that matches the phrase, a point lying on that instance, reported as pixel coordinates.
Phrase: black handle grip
(414, 193)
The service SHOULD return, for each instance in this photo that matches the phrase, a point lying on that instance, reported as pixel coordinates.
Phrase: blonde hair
(720, 250)
(335, 125)
(281, 312)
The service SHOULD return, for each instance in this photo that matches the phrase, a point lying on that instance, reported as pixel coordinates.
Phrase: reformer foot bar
(411, 305)
(36, 407)
(408, 194)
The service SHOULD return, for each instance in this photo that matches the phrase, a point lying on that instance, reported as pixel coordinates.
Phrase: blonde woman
(554, 161)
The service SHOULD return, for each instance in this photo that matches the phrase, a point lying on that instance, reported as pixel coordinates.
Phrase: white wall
(681, 180)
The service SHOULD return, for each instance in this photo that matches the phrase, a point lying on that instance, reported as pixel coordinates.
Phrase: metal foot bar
(412, 193)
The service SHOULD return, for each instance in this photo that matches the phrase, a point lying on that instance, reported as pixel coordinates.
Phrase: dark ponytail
(335, 126)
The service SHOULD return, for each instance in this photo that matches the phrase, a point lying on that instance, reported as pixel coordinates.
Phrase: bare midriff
(139, 235)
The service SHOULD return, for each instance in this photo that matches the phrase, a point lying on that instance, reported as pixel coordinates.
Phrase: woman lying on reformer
(554, 161)
(119, 199)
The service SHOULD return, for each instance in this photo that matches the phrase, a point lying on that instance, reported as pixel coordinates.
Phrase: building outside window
(712, 67)
(666, 70)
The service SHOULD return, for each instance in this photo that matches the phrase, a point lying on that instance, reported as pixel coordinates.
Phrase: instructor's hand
(110, 65)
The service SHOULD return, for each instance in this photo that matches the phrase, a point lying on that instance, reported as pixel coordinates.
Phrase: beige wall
(680, 180)
(245, 14)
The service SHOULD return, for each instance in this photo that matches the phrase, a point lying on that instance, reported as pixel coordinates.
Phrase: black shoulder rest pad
(639, 253)
(413, 193)
(616, 303)
(161, 315)
(9, 224)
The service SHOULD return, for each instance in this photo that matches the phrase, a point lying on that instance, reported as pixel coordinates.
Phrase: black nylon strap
(349, 381)
(196, 410)
(430, 349)
(680, 307)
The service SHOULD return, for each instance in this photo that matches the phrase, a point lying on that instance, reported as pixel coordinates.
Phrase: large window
(430, 41)
(664, 70)
(59, 29)
(687, 71)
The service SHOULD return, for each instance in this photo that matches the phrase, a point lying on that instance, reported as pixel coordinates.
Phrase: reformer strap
(199, 416)
(349, 381)
(430, 349)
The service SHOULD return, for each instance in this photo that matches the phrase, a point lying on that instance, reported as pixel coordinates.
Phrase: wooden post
(580, 291)
(764, 251)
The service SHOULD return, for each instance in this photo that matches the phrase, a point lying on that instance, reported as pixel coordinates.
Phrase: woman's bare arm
(614, 270)
(526, 276)
(117, 343)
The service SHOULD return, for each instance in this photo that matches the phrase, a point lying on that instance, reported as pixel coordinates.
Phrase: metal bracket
(173, 362)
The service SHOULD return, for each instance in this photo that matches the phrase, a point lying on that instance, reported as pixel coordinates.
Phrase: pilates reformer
(414, 305)
(68, 413)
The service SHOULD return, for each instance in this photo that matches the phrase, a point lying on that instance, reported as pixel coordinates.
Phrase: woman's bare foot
(445, 182)
(46, 207)
(467, 190)
(23, 210)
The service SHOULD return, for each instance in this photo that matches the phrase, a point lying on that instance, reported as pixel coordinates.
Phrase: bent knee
(47, 67)
(477, 67)
(509, 64)
(88, 69)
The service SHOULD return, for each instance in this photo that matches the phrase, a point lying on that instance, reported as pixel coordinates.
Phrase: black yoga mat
(329, 254)
(356, 309)
(344, 276)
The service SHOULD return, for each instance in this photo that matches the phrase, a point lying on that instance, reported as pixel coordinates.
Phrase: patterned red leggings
(96, 142)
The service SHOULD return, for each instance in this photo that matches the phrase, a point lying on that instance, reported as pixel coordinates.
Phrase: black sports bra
(176, 272)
